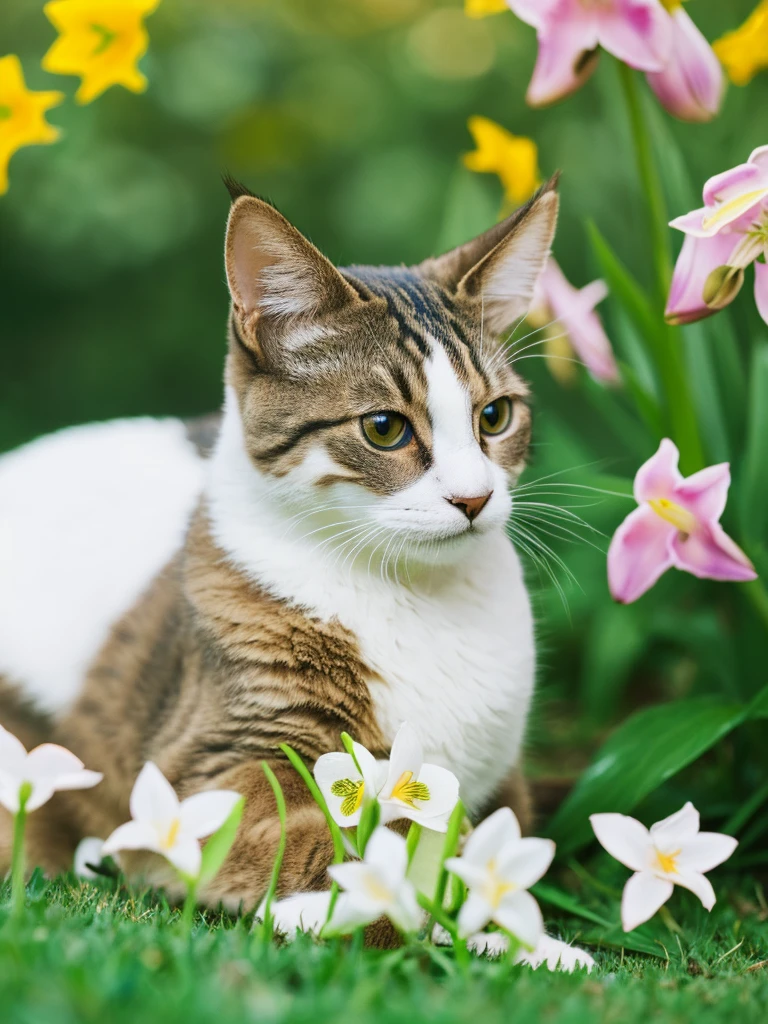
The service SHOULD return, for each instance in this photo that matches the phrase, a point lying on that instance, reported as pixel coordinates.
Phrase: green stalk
(437, 914)
(667, 351)
(449, 850)
(414, 835)
(278, 862)
(190, 905)
(758, 595)
(18, 886)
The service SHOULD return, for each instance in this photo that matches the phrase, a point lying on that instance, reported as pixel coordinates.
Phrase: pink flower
(722, 238)
(691, 85)
(570, 31)
(676, 526)
(565, 309)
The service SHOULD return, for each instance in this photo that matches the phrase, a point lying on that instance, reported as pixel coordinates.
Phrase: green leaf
(218, 846)
(277, 864)
(759, 706)
(705, 390)
(650, 747)
(754, 489)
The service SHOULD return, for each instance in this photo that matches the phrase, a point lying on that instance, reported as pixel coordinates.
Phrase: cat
(338, 561)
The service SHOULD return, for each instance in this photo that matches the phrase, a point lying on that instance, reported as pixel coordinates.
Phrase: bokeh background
(351, 116)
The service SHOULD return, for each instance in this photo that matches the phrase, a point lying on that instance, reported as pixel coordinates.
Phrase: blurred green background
(350, 115)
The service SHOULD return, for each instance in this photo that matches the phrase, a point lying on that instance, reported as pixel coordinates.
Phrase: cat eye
(496, 417)
(386, 430)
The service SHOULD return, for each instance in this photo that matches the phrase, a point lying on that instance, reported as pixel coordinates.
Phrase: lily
(163, 824)
(692, 83)
(22, 114)
(29, 780)
(673, 852)
(498, 867)
(722, 238)
(376, 886)
(677, 525)
(569, 33)
(744, 51)
(568, 313)
(404, 786)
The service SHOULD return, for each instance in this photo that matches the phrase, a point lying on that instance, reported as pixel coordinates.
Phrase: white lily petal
(490, 944)
(625, 838)
(643, 894)
(443, 790)
(472, 874)
(13, 753)
(185, 855)
(491, 835)
(474, 915)
(352, 876)
(48, 761)
(204, 813)
(675, 831)
(374, 772)
(332, 768)
(84, 779)
(9, 792)
(133, 835)
(42, 791)
(386, 853)
(352, 910)
(557, 955)
(699, 885)
(304, 912)
(705, 851)
(406, 756)
(89, 851)
(153, 798)
(520, 914)
(405, 912)
(525, 861)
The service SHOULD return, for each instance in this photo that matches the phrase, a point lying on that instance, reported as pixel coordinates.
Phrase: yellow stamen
(408, 791)
(496, 888)
(173, 834)
(668, 861)
(675, 514)
(352, 792)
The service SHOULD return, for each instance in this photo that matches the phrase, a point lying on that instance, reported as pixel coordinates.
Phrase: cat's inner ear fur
(274, 272)
(499, 268)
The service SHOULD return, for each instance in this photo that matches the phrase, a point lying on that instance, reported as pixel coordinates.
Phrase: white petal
(472, 874)
(675, 831)
(443, 790)
(699, 885)
(9, 792)
(623, 837)
(490, 944)
(332, 768)
(48, 761)
(387, 854)
(487, 839)
(374, 772)
(42, 791)
(89, 851)
(134, 835)
(525, 861)
(153, 798)
(405, 912)
(352, 876)
(204, 813)
(557, 955)
(304, 912)
(474, 915)
(84, 779)
(705, 851)
(643, 894)
(185, 855)
(13, 753)
(519, 913)
(406, 756)
(352, 911)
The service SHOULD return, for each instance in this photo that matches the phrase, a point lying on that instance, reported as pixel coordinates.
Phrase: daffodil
(101, 41)
(744, 51)
(22, 115)
(498, 867)
(513, 157)
(482, 8)
(404, 786)
(673, 852)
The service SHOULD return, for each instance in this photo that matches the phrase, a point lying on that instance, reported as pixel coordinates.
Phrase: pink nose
(471, 507)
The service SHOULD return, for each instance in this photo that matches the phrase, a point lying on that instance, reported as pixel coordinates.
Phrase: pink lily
(676, 526)
(570, 31)
(557, 304)
(722, 238)
(691, 85)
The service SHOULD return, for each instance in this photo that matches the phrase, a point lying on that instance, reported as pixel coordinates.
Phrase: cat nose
(471, 507)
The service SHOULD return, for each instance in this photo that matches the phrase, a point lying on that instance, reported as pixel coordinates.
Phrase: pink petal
(730, 184)
(639, 554)
(759, 157)
(643, 894)
(533, 12)
(153, 798)
(697, 259)
(705, 851)
(761, 289)
(574, 310)
(706, 492)
(638, 32)
(709, 553)
(563, 62)
(698, 885)
(659, 477)
(626, 839)
(691, 84)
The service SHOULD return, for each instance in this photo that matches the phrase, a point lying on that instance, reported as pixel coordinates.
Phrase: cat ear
(500, 268)
(274, 272)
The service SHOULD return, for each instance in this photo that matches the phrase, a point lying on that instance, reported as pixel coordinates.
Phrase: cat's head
(377, 404)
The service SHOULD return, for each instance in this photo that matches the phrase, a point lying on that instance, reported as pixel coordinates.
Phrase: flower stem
(18, 886)
(278, 861)
(190, 904)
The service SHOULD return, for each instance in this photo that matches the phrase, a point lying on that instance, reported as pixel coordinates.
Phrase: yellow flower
(482, 8)
(514, 158)
(744, 51)
(22, 114)
(101, 41)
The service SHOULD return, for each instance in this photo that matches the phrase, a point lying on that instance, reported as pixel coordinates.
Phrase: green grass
(91, 953)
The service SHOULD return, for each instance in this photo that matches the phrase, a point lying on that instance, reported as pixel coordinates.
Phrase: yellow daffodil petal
(482, 8)
(514, 158)
(101, 41)
(22, 114)
(744, 51)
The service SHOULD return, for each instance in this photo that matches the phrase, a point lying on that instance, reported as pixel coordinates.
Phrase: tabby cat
(338, 561)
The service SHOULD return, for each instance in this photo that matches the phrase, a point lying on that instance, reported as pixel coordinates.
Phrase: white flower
(674, 852)
(45, 770)
(499, 866)
(405, 786)
(302, 912)
(376, 886)
(89, 851)
(166, 826)
(557, 955)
